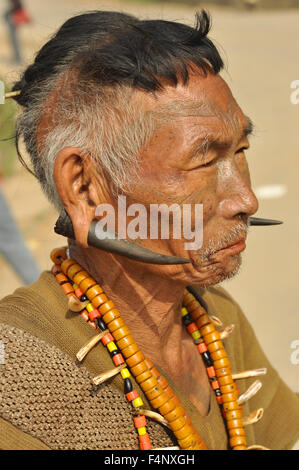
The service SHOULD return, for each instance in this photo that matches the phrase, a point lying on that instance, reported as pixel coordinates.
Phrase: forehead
(203, 96)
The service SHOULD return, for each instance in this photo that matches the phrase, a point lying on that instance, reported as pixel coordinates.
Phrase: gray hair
(106, 124)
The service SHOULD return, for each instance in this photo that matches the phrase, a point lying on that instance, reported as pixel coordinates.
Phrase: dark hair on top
(115, 48)
(94, 64)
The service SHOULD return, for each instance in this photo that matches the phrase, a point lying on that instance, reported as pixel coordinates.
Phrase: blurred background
(259, 43)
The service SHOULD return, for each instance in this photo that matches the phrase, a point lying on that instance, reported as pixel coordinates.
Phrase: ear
(80, 188)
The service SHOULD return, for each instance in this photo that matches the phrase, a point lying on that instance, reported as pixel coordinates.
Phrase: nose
(236, 196)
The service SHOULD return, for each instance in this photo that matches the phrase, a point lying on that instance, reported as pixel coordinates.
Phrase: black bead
(113, 353)
(207, 359)
(101, 324)
(128, 386)
(187, 319)
(83, 298)
(217, 392)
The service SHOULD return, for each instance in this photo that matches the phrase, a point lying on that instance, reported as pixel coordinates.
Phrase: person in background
(15, 16)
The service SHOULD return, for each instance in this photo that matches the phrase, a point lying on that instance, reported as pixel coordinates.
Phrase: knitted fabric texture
(44, 393)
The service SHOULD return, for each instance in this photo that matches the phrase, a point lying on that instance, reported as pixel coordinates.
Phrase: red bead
(107, 338)
(94, 314)
(192, 327)
(79, 292)
(202, 347)
(219, 400)
(211, 372)
(144, 442)
(132, 395)
(118, 359)
(215, 384)
(140, 421)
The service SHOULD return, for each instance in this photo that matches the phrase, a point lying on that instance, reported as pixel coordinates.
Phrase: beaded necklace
(101, 314)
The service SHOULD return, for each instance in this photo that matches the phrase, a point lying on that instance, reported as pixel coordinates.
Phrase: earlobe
(73, 171)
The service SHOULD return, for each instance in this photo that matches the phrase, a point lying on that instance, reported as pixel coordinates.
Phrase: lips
(235, 248)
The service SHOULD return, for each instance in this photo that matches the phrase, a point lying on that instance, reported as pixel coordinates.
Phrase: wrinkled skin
(149, 296)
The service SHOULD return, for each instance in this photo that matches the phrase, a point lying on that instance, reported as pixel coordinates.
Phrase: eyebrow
(203, 145)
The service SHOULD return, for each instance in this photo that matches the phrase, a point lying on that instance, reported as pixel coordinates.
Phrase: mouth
(234, 248)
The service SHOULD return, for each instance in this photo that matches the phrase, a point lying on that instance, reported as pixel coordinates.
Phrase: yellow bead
(111, 346)
(137, 402)
(196, 334)
(142, 431)
(184, 311)
(89, 307)
(125, 373)
(75, 286)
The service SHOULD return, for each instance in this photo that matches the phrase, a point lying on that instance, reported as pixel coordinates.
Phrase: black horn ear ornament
(258, 221)
(112, 244)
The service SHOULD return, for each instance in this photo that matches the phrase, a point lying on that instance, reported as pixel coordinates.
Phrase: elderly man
(117, 109)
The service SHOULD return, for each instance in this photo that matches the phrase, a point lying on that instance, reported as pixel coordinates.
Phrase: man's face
(197, 156)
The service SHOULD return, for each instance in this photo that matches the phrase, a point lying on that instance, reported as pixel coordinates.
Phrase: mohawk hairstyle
(108, 56)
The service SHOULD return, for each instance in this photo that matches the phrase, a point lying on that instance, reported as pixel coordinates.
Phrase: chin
(217, 273)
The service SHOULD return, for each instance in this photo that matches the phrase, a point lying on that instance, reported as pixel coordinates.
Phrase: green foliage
(8, 155)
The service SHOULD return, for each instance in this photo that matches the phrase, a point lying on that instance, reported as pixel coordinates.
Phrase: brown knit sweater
(48, 400)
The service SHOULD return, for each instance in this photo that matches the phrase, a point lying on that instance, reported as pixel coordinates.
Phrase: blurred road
(261, 51)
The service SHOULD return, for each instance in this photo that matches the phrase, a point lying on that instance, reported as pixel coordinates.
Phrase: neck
(150, 306)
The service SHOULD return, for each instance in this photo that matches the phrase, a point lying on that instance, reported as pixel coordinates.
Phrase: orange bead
(237, 441)
(207, 329)
(202, 321)
(93, 291)
(212, 347)
(215, 384)
(135, 359)
(225, 362)
(149, 363)
(177, 423)
(132, 395)
(99, 300)
(144, 376)
(130, 350)
(67, 288)
(106, 307)
(228, 388)
(228, 397)
(56, 269)
(189, 441)
(79, 277)
(66, 264)
(111, 315)
(223, 371)
(169, 391)
(240, 448)
(234, 423)
(196, 313)
(175, 413)
(155, 372)
(124, 342)
(234, 414)
(219, 354)
(184, 432)
(149, 384)
(84, 315)
(160, 400)
(162, 382)
(121, 333)
(237, 432)
(87, 283)
(116, 324)
(167, 407)
(225, 380)
(210, 338)
(61, 278)
(74, 269)
(188, 297)
(58, 255)
(230, 406)
(153, 393)
(193, 305)
(139, 368)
